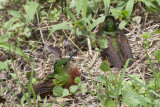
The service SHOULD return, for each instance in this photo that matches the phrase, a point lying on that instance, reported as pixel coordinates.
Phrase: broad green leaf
(102, 79)
(14, 13)
(15, 26)
(57, 91)
(104, 66)
(12, 48)
(4, 65)
(146, 35)
(4, 38)
(77, 80)
(96, 22)
(30, 9)
(137, 18)
(158, 1)
(84, 8)
(84, 88)
(64, 25)
(73, 88)
(129, 7)
(70, 14)
(122, 24)
(116, 13)
(65, 92)
(9, 23)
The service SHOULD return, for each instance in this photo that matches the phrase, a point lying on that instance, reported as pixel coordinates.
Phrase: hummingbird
(118, 50)
(63, 76)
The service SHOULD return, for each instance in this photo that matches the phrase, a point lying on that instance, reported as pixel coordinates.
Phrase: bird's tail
(42, 89)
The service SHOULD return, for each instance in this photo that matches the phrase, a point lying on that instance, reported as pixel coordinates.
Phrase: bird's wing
(125, 48)
(112, 55)
(40, 89)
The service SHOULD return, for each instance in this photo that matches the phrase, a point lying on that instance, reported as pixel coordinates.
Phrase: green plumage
(118, 50)
(60, 76)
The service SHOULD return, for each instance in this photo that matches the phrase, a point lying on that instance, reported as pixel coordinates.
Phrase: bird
(63, 76)
(118, 50)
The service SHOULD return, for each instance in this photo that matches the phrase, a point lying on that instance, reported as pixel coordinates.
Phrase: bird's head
(61, 65)
(109, 24)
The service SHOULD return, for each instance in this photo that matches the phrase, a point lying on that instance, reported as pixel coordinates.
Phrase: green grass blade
(84, 8)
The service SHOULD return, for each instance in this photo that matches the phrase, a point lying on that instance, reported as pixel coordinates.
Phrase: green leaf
(110, 104)
(116, 13)
(137, 18)
(4, 65)
(157, 31)
(45, 101)
(12, 48)
(57, 91)
(129, 7)
(100, 85)
(78, 6)
(130, 97)
(9, 23)
(146, 35)
(84, 8)
(158, 1)
(70, 14)
(122, 24)
(146, 87)
(84, 88)
(64, 25)
(96, 22)
(14, 76)
(104, 66)
(14, 13)
(2, 91)
(102, 79)
(73, 88)
(30, 9)
(77, 80)
(157, 54)
(65, 92)
(151, 6)
(17, 25)
(125, 13)
(4, 38)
